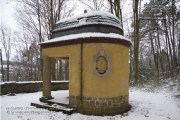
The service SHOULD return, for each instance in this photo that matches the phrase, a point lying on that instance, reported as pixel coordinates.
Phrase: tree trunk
(60, 72)
(171, 56)
(173, 41)
(111, 6)
(53, 67)
(155, 56)
(67, 70)
(7, 74)
(157, 61)
(160, 52)
(136, 40)
(2, 71)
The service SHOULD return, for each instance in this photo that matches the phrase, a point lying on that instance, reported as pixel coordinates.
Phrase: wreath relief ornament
(101, 63)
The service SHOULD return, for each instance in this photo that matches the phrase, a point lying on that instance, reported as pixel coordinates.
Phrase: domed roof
(97, 21)
(96, 17)
(89, 27)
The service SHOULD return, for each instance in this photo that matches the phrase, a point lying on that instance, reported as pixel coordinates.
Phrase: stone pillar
(46, 79)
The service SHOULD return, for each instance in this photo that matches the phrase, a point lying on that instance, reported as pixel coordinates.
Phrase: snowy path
(145, 106)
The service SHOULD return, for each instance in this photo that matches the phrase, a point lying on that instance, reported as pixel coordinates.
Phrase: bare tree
(115, 8)
(1, 61)
(95, 5)
(6, 40)
(27, 57)
(37, 17)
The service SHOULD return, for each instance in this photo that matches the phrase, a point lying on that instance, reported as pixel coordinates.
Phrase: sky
(6, 17)
(6, 13)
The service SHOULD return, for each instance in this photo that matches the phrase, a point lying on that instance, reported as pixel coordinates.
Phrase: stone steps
(55, 107)
(61, 104)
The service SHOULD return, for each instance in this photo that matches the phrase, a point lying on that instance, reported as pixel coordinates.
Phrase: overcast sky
(6, 17)
(6, 13)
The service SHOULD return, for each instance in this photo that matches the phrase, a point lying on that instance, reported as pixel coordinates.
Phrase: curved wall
(101, 95)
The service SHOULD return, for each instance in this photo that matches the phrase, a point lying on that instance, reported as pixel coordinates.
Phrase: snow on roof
(73, 18)
(96, 17)
(86, 35)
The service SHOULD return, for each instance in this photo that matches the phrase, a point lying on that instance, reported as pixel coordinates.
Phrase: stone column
(46, 79)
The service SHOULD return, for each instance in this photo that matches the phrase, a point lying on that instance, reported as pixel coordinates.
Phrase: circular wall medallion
(101, 63)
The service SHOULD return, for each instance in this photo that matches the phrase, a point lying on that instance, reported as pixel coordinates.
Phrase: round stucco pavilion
(98, 56)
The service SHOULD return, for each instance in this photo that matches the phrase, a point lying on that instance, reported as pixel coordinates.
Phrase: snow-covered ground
(161, 105)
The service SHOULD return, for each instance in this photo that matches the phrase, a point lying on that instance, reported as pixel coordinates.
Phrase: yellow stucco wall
(112, 85)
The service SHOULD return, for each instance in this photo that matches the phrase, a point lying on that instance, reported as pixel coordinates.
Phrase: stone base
(101, 106)
(45, 99)
(74, 101)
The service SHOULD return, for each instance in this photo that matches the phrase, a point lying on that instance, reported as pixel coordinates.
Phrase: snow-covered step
(54, 107)
(57, 103)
